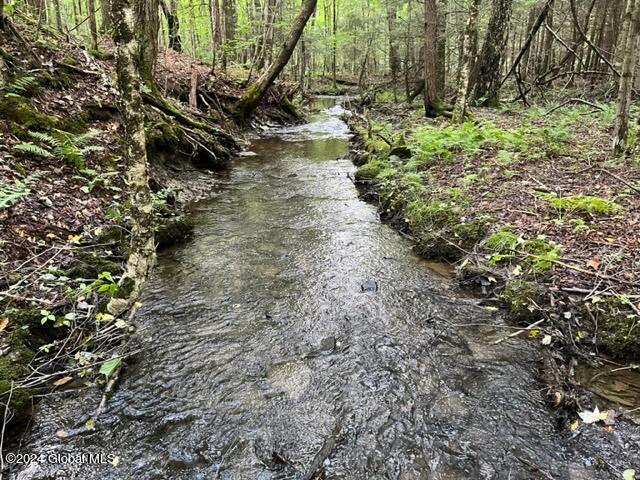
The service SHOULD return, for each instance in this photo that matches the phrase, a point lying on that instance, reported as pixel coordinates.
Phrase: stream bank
(64, 200)
(296, 336)
(534, 217)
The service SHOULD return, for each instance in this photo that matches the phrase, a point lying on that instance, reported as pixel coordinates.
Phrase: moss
(502, 242)
(89, 265)
(174, 230)
(19, 111)
(540, 255)
(371, 169)
(618, 328)
(76, 123)
(522, 296)
(14, 363)
(581, 203)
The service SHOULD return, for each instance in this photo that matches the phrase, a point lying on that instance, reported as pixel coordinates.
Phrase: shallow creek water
(298, 337)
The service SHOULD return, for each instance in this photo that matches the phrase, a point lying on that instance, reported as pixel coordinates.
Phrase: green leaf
(110, 366)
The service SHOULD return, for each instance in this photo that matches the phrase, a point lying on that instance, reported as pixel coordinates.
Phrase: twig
(515, 334)
(621, 180)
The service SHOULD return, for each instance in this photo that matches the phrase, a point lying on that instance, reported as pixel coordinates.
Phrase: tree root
(165, 107)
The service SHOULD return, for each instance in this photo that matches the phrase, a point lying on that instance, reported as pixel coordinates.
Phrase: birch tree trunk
(254, 93)
(142, 247)
(471, 30)
(630, 32)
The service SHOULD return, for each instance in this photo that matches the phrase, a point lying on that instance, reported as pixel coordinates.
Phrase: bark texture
(471, 31)
(93, 26)
(432, 101)
(147, 23)
(630, 30)
(170, 11)
(142, 247)
(487, 72)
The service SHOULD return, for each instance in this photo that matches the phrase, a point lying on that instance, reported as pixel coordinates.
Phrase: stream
(298, 337)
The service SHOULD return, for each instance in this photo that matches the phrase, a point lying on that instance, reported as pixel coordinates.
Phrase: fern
(12, 192)
(19, 86)
(61, 144)
(32, 148)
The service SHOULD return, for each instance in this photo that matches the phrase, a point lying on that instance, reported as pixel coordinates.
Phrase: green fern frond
(33, 149)
(46, 138)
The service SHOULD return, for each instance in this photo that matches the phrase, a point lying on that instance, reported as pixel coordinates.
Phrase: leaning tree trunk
(256, 91)
(630, 45)
(487, 71)
(432, 101)
(142, 247)
(471, 30)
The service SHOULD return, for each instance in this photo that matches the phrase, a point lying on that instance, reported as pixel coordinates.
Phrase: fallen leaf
(590, 417)
(90, 424)
(629, 474)
(593, 417)
(575, 424)
(594, 263)
(546, 340)
(3, 323)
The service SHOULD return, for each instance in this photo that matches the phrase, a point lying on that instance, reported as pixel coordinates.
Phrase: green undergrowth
(416, 189)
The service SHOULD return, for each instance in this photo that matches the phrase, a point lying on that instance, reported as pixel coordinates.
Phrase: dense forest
(443, 194)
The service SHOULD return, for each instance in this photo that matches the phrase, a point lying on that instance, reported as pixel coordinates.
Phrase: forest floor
(534, 213)
(63, 194)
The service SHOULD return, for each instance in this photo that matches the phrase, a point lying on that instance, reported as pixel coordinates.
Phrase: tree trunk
(147, 23)
(441, 47)
(254, 93)
(105, 10)
(630, 30)
(93, 27)
(230, 23)
(394, 61)
(173, 24)
(56, 8)
(334, 46)
(487, 71)
(432, 102)
(470, 31)
(524, 51)
(142, 246)
(216, 30)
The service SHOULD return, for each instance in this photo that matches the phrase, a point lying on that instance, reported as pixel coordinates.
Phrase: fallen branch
(571, 100)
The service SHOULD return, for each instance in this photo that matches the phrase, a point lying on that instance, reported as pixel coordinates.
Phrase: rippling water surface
(298, 337)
